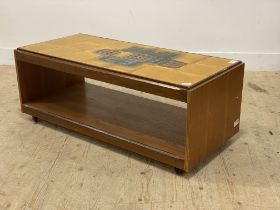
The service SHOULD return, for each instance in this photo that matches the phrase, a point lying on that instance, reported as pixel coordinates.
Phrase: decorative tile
(139, 56)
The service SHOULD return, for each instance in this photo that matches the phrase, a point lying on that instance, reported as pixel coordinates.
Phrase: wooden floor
(47, 167)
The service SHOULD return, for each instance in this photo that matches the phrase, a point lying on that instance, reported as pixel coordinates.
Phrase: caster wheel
(179, 171)
(35, 119)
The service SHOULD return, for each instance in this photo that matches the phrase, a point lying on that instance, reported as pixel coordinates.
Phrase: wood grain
(213, 114)
(83, 49)
(37, 81)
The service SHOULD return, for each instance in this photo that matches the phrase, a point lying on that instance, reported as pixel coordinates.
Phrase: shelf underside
(149, 123)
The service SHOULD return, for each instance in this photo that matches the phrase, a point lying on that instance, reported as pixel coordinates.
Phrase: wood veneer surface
(163, 65)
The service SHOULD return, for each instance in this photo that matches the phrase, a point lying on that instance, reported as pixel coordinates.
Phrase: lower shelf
(125, 120)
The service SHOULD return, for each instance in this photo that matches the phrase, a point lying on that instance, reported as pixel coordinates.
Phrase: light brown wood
(43, 166)
(89, 50)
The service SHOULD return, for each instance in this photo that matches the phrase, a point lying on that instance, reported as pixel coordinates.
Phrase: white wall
(248, 30)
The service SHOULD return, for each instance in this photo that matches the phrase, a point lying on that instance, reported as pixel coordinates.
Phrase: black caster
(179, 171)
(35, 119)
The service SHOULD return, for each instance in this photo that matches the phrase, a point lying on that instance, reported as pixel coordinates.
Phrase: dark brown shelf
(151, 124)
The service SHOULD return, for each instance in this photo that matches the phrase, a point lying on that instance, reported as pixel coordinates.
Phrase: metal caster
(179, 171)
(35, 119)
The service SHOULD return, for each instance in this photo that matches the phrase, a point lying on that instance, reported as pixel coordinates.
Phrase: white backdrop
(248, 30)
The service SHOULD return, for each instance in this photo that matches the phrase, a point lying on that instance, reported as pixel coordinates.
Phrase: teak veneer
(51, 77)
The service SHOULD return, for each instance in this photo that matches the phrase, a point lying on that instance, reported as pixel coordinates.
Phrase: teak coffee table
(51, 77)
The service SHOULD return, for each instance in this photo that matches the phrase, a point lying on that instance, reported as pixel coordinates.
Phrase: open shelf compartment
(148, 127)
(154, 124)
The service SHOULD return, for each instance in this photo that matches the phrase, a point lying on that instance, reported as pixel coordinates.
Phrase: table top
(152, 63)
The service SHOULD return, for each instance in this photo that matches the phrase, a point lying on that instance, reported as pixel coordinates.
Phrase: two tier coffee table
(52, 86)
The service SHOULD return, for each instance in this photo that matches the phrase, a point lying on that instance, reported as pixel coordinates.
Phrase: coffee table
(52, 86)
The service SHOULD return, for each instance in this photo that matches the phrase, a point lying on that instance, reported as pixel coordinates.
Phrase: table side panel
(213, 114)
